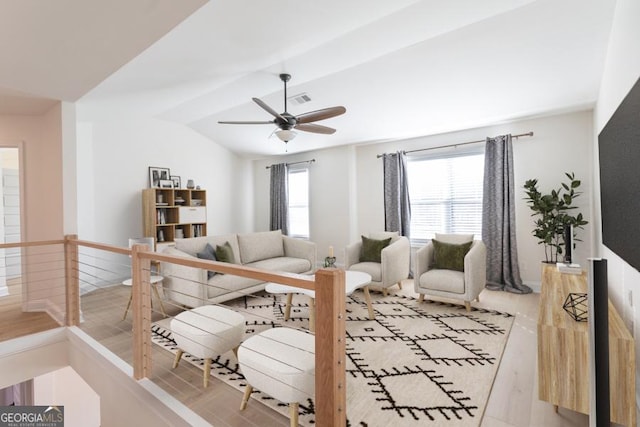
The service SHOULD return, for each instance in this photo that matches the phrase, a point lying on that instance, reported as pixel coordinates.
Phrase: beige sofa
(269, 250)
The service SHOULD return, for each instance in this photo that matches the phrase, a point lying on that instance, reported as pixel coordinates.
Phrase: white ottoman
(206, 332)
(281, 363)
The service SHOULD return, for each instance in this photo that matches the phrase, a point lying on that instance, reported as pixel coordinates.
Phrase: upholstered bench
(206, 332)
(281, 363)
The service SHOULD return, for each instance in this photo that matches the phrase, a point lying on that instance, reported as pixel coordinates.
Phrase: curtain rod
(460, 143)
(295, 163)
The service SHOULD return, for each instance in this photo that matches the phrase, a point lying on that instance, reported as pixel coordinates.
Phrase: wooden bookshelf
(169, 213)
(563, 352)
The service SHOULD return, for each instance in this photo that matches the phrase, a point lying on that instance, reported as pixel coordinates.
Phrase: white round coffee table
(353, 280)
(153, 280)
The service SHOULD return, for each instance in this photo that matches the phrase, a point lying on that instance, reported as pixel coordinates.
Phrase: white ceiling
(402, 69)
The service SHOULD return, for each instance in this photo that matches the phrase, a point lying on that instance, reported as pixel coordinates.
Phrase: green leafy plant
(553, 213)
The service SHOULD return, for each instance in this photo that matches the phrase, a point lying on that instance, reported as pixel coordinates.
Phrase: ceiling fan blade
(325, 113)
(268, 109)
(247, 122)
(311, 127)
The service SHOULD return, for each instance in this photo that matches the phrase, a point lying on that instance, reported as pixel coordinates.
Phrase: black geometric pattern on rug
(460, 322)
(428, 352)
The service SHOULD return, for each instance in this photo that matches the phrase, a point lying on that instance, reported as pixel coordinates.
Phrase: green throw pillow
(449, 256)
(224, 253)
(372, 249)
(208, 253)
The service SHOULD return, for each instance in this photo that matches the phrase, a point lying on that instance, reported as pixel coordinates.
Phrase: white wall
(65, 387)
(346, 182)
(622, 70)
(330, 191)
(119, 156)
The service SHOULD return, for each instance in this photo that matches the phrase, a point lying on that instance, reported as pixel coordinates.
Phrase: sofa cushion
(222, 284)
(208, 253)
(372, 249)
(173, 251)
(193, 245)
(373, 269)
(260, 245)
(224, 253)
(443, 280)
(450, 256)
(286, 264)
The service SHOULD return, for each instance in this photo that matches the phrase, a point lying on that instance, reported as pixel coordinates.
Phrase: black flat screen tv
(619, 151)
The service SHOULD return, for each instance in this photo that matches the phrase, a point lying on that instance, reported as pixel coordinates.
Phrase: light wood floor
(14, 322)
(513, 400)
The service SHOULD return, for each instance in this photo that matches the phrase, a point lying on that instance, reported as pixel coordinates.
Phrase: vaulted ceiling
(402, 69)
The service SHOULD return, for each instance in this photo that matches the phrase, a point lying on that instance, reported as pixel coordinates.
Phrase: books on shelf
(569, 268)
(196, 230)
(161, 216)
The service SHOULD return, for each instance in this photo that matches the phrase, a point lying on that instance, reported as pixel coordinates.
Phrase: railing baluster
(141, 304)
(330, 348)
(72, 281)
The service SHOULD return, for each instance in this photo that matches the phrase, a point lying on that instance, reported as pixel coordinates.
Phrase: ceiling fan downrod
(285, 78)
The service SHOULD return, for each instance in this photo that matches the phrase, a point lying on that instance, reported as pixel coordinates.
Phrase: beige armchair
(464, 285)
(394, 261)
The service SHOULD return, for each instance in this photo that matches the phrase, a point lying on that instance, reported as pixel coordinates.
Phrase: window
(299, 203)
(446, 195)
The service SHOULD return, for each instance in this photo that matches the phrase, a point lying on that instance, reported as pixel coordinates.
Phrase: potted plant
(553, 214)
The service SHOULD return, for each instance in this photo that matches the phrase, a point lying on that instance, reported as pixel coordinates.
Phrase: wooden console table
(563, 352)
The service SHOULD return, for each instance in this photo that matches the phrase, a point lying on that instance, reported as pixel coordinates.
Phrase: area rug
(426, 364)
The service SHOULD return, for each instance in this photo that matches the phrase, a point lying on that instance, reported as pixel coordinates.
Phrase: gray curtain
(397, 208)
(498, 217)
(279, 198)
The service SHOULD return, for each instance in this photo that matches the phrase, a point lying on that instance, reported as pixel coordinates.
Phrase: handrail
(291, 279)
(31, 244)
(101, 246)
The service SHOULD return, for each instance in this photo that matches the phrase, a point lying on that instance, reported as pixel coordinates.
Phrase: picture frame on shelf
(166, 183)
(156, 175)
(176, 181)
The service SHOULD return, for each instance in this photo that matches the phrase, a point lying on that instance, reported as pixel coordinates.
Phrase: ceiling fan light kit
(285, 135)
(286, 121)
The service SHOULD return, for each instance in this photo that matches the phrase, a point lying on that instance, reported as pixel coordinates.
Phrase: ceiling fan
(286, 121)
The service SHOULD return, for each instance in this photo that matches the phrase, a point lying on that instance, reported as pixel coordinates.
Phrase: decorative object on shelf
(166, 183)
(160, 198)
(553, 214)
(569, 268)
(196, 202)
(190, 184)
(162, 216)
(177, 183)
(160, 236)
(577, 306)
(179, 233)
(157, 174)
(330, 262)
